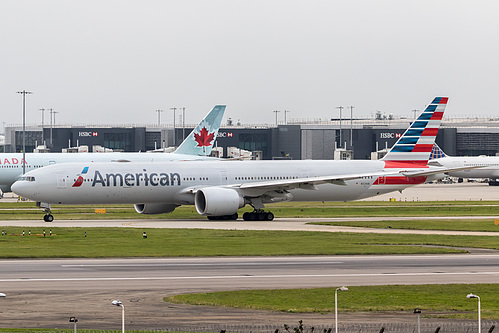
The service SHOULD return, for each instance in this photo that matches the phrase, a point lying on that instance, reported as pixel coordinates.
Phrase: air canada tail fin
(437, 152)
(416, 144)
(202, 138)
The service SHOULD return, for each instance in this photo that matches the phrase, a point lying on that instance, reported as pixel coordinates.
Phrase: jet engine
(155, 208)
(217, 201)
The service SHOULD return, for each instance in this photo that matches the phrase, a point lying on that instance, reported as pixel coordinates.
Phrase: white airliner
(197, 145)
(219, 188)
(489, 165)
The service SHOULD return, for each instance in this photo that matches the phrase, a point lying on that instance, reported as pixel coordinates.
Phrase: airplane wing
(309, 183)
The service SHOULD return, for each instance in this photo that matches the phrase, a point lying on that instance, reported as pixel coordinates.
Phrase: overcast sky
(103, 61)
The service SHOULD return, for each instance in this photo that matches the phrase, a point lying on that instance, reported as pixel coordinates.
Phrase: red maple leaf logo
(204, 138)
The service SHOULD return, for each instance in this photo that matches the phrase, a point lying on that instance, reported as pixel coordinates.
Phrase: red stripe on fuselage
(400, 180)
(406, 164)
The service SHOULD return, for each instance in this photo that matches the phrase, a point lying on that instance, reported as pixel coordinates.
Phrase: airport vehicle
(488, 166)
(219, 188)
(197, 145)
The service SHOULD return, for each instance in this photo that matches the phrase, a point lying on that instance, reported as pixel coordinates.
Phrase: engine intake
(217, 201)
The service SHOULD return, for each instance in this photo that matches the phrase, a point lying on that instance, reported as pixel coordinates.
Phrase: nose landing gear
(48, 217)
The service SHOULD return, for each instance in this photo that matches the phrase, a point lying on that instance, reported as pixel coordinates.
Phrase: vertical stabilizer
(437, 152)
(202, 138)
(416, 144)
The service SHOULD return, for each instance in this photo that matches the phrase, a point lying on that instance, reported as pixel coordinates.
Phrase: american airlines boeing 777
(219, 188)
(197, 145)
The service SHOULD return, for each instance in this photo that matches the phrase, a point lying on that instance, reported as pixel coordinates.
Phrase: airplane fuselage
(488, 166)
(176, 182)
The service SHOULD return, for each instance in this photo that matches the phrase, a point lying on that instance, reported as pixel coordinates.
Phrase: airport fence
(436, 327)
(444, 327)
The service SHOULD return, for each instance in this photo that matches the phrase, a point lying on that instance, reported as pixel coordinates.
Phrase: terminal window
(118, 141)
(253, 142)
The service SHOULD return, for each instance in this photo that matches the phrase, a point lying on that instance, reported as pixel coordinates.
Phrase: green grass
(426, 224)
(27, 210)
(448, 300)
(100, 242)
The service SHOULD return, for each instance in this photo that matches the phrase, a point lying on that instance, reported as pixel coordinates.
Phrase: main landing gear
(258, 215)
(48, 217)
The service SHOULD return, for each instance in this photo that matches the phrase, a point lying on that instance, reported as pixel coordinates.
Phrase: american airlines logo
(130, 179)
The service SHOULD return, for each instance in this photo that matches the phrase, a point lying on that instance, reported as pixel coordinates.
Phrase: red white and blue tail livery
(416, 143)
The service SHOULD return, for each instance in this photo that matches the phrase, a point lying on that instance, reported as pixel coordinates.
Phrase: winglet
(202, 138)
(416, 144)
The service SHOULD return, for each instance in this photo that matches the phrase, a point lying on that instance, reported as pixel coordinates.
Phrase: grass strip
(426, 224)
(101, 242)
(28, 211)
(448, 300)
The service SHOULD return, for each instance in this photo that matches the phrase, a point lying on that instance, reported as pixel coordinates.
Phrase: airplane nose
(17, 188)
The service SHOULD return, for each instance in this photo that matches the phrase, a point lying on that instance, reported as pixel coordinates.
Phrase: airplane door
(224, 178)
(61, 181)
(381, 180)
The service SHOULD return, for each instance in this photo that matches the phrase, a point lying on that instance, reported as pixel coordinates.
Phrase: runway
(47, 292)
(207, 274)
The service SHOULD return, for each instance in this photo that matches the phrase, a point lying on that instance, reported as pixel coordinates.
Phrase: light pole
(51, 111)
(351, 125)
(285, 118)
(118, 303)
(336, 306)
(24, 93)
(418, 312)
(183, 123)
(43, 125)
(174, 136)
(159, 116)
(470, 295)
(73, 320)
(276, 112)
(341, 138)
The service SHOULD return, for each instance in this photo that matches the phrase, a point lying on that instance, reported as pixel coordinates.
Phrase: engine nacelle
(217, 201)
(154, 208)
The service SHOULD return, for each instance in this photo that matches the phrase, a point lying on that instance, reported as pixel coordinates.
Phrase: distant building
(314, 140)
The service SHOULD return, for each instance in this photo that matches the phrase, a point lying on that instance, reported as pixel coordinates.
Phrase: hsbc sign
(87, 134)
(389, 135)
(225, 135)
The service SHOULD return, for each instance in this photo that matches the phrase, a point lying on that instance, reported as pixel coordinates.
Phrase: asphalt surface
(45, 293)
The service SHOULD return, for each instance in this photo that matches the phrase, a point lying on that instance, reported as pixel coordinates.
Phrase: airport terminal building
(314, 140)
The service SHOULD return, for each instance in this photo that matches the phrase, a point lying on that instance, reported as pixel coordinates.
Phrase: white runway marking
(245, 277)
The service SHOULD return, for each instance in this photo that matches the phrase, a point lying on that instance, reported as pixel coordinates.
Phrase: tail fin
(437, 152)
(415, 145)
(200, 141)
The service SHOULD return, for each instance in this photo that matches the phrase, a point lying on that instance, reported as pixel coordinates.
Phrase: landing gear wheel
(258, 215)
(48, 218)
(234, 216)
